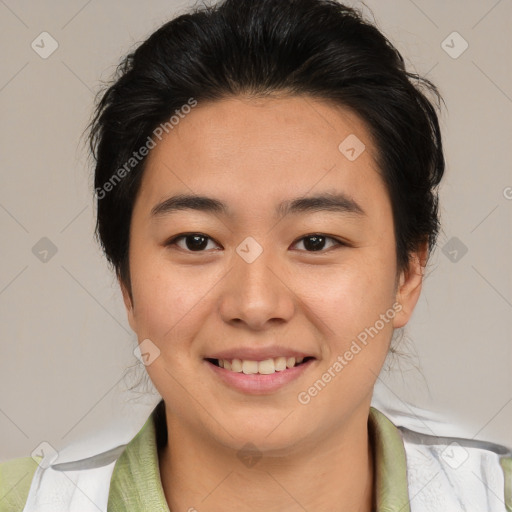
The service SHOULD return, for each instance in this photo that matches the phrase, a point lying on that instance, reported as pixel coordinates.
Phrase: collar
(136, 485)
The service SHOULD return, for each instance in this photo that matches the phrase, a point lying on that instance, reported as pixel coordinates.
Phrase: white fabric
(85, 488)
(118, 432)
(452, 477)
(70, 491)
(403, 413)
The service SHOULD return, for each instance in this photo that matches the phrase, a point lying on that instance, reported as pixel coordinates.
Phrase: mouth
(265, 367)
(259, 376)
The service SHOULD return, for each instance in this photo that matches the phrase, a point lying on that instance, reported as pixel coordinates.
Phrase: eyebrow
(331, 202)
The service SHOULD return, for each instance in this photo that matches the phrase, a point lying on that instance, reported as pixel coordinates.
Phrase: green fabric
(506, 464)
(136, 481)
(390, 464)
(15, 479)
(136, 485)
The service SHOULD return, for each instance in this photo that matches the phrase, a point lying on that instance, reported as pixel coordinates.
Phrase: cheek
(350, 298)
(347, 301)
(169, 299)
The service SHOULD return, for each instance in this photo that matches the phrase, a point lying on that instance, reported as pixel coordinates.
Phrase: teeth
(250, 367)
(236, 365)
(266, 367)
(280, 364)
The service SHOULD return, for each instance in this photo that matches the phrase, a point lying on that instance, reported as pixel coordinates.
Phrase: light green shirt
(136, 486)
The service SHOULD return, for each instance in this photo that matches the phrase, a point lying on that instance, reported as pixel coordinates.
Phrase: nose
(257, 294)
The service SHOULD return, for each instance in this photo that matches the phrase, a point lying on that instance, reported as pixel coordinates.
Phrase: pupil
(196, 247)
(318, 242)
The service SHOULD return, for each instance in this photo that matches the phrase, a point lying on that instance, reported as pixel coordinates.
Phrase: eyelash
(339, 243)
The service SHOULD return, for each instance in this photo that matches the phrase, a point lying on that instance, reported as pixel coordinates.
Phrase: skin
(252, 154)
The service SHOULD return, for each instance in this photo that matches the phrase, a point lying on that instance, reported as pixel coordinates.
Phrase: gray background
(66, 357)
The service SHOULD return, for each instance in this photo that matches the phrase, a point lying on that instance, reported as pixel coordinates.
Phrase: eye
(194, 242)
(316, 242)
(197, 242)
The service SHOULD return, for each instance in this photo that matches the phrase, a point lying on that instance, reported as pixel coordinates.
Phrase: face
(292, 256)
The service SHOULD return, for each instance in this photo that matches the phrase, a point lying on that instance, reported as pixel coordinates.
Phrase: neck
(335, 473)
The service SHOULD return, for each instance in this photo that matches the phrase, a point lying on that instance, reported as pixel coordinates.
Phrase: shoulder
(15, 479)
(450, 471)
(447, 468)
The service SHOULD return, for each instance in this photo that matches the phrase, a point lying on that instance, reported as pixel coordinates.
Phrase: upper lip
(257, 354)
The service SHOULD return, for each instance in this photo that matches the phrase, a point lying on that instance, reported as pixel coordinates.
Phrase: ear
(409, 285)
(128, 304)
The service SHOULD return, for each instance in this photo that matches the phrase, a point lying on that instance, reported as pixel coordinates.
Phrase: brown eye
(316, 242)
(194, 242)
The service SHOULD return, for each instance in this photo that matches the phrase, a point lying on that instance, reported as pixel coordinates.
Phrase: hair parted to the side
(259, 48)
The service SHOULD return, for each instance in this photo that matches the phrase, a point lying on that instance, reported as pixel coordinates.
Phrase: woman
(266, 181)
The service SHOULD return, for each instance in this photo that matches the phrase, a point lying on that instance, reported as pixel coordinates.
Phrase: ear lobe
(409, 286)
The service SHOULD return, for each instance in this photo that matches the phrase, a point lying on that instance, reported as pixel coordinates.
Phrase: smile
(266, 367)
(258, 377)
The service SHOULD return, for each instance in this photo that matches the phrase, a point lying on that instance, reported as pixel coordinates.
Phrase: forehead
(258, 152)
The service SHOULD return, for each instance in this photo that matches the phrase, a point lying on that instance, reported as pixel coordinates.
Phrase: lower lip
(257, 384)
